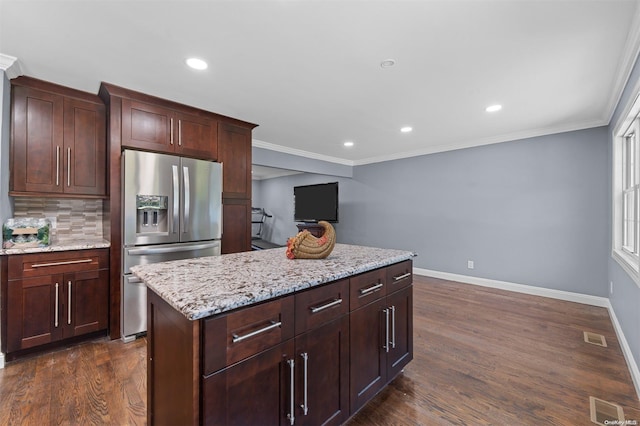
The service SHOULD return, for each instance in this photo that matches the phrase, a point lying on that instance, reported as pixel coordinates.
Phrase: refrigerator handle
(176, 199)
(187, 199)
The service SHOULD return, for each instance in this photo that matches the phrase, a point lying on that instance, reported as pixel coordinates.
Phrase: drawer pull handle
(402, 277)
(271, 326)
(371, 289)
(68, 262)
(315, 309)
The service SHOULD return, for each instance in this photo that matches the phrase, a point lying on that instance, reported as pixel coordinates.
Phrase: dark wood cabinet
(157, 128)
(381, 343)
(293, 360)
(50, 297)
(58, 143)
(234, 152)
(236, 225)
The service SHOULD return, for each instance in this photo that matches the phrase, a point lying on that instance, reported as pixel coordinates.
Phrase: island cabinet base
(308, 358)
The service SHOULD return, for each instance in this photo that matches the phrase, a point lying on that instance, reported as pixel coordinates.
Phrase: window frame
(625, 186)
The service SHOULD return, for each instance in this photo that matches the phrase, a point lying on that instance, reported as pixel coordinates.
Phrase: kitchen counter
(205, 286)
(60, 246)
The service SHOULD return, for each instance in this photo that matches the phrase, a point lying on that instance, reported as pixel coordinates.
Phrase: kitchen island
(256, 338)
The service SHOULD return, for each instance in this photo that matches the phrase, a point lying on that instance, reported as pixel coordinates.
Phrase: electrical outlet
(610, 287)
(469, 264)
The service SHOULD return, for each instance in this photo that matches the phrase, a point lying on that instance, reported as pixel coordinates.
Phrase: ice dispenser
(152, 214)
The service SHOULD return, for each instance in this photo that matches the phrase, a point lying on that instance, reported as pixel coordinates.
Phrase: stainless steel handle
(162, 250)
(57, 165)
(305, 403)
(402, 277)
(371, 289)
(187, 198)
(67, 262)
(393, 327)
(171, 131)
(133, 280)
(68, 167)
(69, 308)
(315, 309)
(386, 322)
(292, 404)
(271, 326)
(179, 132)
(176, 200)
(56, 309)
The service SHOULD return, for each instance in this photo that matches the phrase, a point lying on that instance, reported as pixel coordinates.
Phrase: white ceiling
(308, 72)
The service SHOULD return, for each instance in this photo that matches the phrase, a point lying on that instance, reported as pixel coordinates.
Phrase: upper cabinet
(154, 127)
(58, 141)
(234, 152)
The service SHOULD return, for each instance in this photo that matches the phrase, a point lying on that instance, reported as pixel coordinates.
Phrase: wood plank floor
(482, 357)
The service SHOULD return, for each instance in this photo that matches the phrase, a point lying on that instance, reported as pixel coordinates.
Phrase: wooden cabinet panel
(401, 345)
(236, 225)
(322, 374)
(319, 305)
(368, 360)
(367, 287)
(238, 335)
(146, 126)
(32, 316)
(197, 136)
(399, 275)
(85, 148)
(54, 296)
(234, 152)
(37, 140)
(58, 143)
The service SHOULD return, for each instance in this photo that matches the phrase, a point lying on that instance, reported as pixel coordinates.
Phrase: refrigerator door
(201, 201)
(151, 198)
(143, 255)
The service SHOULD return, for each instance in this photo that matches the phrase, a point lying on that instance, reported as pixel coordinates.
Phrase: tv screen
(313, 203)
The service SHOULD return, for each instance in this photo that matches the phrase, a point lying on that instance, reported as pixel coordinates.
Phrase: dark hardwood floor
(482, 357)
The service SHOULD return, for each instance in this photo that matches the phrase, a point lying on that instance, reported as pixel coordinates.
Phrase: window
(626, 191)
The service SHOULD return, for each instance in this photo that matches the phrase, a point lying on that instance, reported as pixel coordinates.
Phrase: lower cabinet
(51, 297)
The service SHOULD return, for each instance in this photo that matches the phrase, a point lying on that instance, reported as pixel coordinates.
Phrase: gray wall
(626, 294)
(531, 211)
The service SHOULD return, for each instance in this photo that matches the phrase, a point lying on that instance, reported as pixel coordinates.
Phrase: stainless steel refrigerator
(172, 209)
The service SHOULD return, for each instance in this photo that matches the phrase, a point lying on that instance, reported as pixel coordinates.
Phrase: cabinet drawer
(40, 264)
(320, 305)
(235, 336)
(399, 275)
(367, 287)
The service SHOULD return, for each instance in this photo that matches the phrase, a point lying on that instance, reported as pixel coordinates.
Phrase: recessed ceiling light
(406, 129)
(348, 144)
(388, 63)
(197, 64)
(493, 108)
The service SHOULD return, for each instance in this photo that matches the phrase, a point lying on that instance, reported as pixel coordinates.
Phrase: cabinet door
(147, 126)
(236, 226)
(85, 149)
(196, 136)
(400, 306)
(367, 363)
(37, 141)
(256, 391)
(34, 311)
(322, 375)
(86, 300)
(234, 151)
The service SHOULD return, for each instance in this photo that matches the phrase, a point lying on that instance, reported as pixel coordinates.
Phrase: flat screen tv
(313, 203)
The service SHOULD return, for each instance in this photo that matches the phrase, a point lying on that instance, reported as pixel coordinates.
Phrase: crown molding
(300, 153)
(10, 66)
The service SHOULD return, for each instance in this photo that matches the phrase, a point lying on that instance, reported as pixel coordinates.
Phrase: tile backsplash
(74, 218)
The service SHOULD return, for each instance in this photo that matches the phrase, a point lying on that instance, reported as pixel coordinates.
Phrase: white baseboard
(1, 360)
(586, 299)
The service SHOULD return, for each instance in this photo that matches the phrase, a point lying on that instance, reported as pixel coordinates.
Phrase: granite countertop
(60, 246)
(206, 286)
